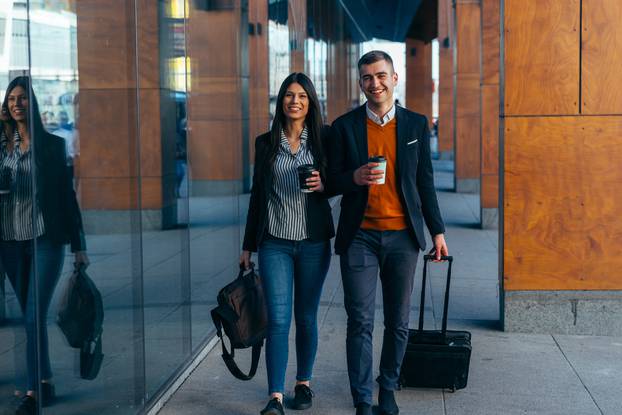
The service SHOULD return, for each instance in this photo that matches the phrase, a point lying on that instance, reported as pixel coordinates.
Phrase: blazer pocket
(411, 142)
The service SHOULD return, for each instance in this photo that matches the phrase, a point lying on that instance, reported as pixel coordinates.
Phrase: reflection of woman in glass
(44, 223)
(291, 230)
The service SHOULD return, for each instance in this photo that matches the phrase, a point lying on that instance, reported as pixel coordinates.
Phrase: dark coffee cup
(305, 171)
(6, 180)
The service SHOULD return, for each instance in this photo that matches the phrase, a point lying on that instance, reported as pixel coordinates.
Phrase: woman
(44, 224)
(291, 231)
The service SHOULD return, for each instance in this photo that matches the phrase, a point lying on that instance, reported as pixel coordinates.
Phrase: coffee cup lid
(376, 159)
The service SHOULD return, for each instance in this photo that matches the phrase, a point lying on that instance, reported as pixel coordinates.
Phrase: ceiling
(393, 20)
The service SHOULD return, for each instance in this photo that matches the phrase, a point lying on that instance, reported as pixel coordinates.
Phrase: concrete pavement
(510, 373)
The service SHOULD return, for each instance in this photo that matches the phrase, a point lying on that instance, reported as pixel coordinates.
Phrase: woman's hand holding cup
(314, 183)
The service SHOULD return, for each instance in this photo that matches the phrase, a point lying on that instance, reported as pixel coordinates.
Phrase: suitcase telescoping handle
(427, 258)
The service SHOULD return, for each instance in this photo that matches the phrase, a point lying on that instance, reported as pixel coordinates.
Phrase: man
(381, 225)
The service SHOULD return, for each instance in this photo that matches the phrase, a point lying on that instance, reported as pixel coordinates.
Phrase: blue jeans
(287, 267)
(34, 299)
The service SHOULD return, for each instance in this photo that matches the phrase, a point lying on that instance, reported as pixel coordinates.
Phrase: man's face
(377, 81)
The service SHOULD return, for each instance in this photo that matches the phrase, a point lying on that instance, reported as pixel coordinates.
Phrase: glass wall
(136, 158)
(112, 83)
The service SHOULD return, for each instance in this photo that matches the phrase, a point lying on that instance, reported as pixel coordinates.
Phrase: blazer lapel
(360, 134)
(403, 128)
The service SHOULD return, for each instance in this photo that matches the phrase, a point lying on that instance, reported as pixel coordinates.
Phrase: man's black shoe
(27, 406)
(48, 394)
(302, 397)
(363, 409)
(274, 407)
(386, 402)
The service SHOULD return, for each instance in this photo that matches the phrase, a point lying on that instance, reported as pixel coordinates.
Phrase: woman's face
(18, 104)
(295, 102)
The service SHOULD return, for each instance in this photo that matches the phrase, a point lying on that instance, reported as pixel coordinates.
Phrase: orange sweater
(384, 210)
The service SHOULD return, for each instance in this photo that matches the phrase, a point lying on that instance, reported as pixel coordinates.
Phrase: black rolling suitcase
(436, 358)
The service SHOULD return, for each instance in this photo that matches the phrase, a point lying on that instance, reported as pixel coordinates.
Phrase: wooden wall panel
(107, 61)
(490, 129)
(445, 101)
(544, 243)
(215, 150)
(297, 22)
(467, 127)
(419, 83)
(446, 77)
(106, 39)
(602, 57)
(342, 79)
(468, 95)
(215, 103)
(468, 36)
(258, 71)
(602, 190)
(467, 100)
(541, 57)
(490, 41)
(444, 9)
(490, 191)
(562, 224)
(489, 194)
(467, 148)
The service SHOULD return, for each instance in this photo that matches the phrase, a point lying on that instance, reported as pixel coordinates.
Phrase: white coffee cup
(382, 165)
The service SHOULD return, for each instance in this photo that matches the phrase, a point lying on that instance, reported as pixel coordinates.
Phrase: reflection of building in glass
(52, 59)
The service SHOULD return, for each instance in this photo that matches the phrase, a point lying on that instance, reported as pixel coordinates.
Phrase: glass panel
(216, 42)
(164, 190)
(83, 66)
(18, 362)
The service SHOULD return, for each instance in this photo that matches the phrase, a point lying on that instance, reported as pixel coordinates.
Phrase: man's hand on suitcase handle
(440, 247)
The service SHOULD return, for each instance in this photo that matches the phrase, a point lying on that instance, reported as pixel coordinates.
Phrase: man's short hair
(373, 57)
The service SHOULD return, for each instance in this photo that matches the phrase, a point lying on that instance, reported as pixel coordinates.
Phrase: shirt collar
(303, 138)
(378, 120)
(4, 140)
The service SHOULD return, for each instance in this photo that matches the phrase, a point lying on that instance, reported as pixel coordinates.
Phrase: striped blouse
(17, 207)
(287, 205)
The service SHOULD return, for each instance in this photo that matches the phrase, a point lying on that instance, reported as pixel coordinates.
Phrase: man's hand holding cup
(371, 173)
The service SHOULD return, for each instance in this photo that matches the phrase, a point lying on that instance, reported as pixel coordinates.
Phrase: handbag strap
(233, 367)
(228, 357)
(427, 258)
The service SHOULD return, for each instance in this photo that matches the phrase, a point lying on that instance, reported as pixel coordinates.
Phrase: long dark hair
(35, 123)
(313, 120)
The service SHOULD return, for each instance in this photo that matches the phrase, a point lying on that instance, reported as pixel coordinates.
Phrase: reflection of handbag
(242, 314)
(80, 318)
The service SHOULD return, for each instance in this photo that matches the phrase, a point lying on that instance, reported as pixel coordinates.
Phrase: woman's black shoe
(27, 406)
(302, 397)
(48, 394)
(386, 402)
(274, 407)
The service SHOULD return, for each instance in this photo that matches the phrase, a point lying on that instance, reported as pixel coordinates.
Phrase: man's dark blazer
(347, 151)
(55, 194)
(319, 218)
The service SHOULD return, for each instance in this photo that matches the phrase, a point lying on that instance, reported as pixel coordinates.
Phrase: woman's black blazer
(55, 194)
(319, 218)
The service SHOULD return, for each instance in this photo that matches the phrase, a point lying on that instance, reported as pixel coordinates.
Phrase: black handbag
(242, 314)
(436, 358)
